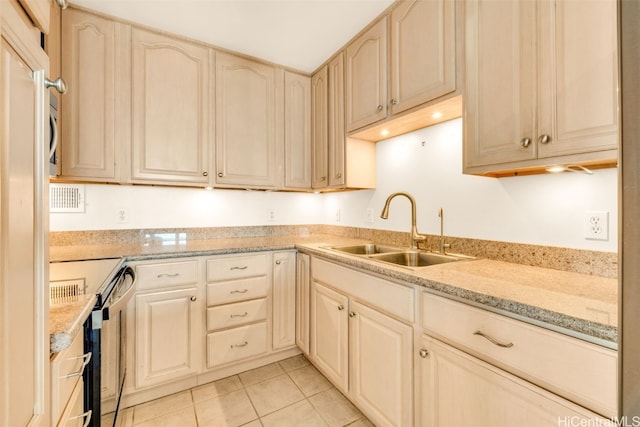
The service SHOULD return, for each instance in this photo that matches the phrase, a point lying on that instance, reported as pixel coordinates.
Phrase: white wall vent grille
(66, 291)
(65, 198)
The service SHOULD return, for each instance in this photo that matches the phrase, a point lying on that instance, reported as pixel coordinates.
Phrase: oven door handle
(124, 298)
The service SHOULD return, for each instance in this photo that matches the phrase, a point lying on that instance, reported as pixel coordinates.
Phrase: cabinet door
(329, 334)
(94, 65)
(284, 299)
(297, 131)
(422, 52)
(381, 366)
(168, 344)
(578, 77)
(319, 128)
(500, 86)
(458, 389)
(39, 12)
(248, 122)
(303, 301)
(24, 335)
(171, 110)
(366, 77)
(336, 136)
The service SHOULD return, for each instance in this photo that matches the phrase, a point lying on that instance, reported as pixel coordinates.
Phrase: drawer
(582, 372)
(236, 267)
(165, 274)
(236, 344)
(237, 290)
(391, 297)
(66, 372)
(74, 415)
(240, 313)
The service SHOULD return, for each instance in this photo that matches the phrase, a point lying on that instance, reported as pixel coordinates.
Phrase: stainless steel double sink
(412, 258)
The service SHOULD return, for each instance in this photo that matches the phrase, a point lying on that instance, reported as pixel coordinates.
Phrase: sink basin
(365, 249)
(416, 258)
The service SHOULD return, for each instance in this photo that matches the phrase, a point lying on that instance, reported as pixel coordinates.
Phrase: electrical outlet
(596, 225)
(337, 215)
(271, 215)
(122, 215)
(370, 217)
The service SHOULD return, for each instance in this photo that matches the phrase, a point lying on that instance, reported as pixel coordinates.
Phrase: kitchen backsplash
(604, 264)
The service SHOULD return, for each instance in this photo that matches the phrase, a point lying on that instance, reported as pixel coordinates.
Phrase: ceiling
(300, 34)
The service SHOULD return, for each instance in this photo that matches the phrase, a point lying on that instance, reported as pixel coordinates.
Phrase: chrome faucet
(443, 245)
(415, 236)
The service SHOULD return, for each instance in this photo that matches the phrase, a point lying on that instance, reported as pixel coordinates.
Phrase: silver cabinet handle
(244, 291)
(54, 138)
(160, 276)
(380, 107)
(323, 178)
(493, 340)
(352, 314)
(58, 84)
(424, 353)
(244, 267)
(86, 358)
(525, 142)
(394, 102)
(205, 173)
(340, 307)
(338, 175)
(244, 344)
(194, 298)
(278, 262)
(87, 417)
(544, 139)
(239, 315)
(62, 4)
(220, 174)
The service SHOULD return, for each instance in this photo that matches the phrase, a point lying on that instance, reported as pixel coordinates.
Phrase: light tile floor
(290, 393)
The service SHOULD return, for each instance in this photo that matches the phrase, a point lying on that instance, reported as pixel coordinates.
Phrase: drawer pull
(86, 416)
(244, 291)
(493, 340)
(244, 344)
(244, 267)
(86, 358)
(160, 276)
(424, 353)
(240, 315)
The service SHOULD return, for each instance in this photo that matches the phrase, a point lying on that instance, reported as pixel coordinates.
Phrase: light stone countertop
(580, 305)
(66, 321)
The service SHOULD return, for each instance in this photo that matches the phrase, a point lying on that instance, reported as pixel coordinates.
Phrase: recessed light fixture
(436, 115)
(568, 168)
(384, 132)
(208, 188)
(556, 169)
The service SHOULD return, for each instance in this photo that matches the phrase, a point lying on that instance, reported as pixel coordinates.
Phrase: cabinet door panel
(284, 300)
(366, 77)
(381, 366)
(458, 389)
(500, 91)
(319, 129)
(423, 62)
(166, 336)
(248, 121)
(92, 65)
(329, 334)
(336, 136)
(297, 135)
(170, 110)
(578, 76)
(303, 300)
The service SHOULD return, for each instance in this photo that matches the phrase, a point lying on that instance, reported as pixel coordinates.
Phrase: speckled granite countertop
(580, 305)
(66, 320)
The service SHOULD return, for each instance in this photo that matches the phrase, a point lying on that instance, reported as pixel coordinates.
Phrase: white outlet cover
(596, 225)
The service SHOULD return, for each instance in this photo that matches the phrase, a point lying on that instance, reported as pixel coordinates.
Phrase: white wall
(541, 209)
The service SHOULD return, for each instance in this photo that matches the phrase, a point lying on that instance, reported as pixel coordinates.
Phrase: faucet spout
(415, 236)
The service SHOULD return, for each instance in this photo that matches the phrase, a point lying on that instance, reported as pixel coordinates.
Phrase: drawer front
(150, 276)
(66, 372)
(580, 371)
(391, 297)
(236, 267)
(237, 290)
(240, 313)
(236, 344)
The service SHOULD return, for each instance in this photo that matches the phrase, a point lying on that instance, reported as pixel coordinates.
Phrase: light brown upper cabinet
(249, 123)
(541, 85)
(171, 110)
(297, 131)
(319, 128)
(422, 52)
(95, 64)
(336, 137)
(366, 77)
